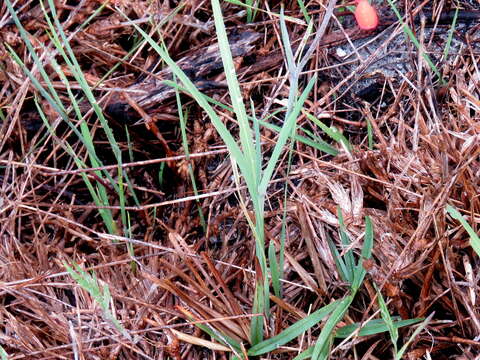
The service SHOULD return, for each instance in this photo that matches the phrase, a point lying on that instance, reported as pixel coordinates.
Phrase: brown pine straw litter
(426, 154)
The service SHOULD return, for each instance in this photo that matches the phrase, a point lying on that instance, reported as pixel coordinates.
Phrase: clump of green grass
(97, 190)
(101, 294)
(248, 156)
(248, 163)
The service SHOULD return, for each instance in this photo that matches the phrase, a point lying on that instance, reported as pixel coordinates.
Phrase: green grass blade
(230, 142)
(59, 108)
(368, 239)
(292, 331)
(80, 77)
(387, 318)
(450, 35)
(412, 37)
(370, 135)
(274, 269)
(183, 130)
(101, 294)
(348, 256)
(246, 136)
(345, 275)
(221, 338)
(360, 272)
(286, 43)
(256, 324)
(373, 327)
(86, 137)
(50, 98)
(328, 329)
(3, 353)
(53, 97)
(97, 198)
(474, 238)
(306, 354)
(417, 331)
(315, 142)
(285, 133)
(258, 140)
(330, 131)
(304, 10)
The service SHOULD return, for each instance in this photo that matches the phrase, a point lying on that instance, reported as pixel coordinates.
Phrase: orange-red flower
(366, 15)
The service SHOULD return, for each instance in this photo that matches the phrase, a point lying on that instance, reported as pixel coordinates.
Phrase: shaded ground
(425, 154)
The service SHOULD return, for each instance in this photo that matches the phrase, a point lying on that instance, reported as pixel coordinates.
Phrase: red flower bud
(366, 15)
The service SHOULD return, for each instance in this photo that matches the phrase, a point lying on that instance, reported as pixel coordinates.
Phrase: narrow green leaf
(360, 272)
(368, 239)
(230, 142)
(304, 10)
(315, 142)
(373, 327)
(274, 269)
(387, 318)
(3, 353)
(331, 131)
(307, 354)
(293, 331)
(417, 44)
(417, 331)
(246, 136)
(348, 256)
(286, 42)
(474, 238)
(450, 35)
(341, 267)
(328, 329)
(283, 137)
(370, 135)
(256, 324)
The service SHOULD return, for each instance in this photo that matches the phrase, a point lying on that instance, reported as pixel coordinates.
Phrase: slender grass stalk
(474, 238)
(304, 10)
(250, 14)
(247, 156)
(419, 47)
(354, 274)
(101, 294)
(161, 173)
(3, 353)
(370, 135)
(417, 331)
(372, 327)
(251, 173)
(183, 129)
(314, 141)
(330, 131)
(387, 318)
(450, 35)
(293, 331)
